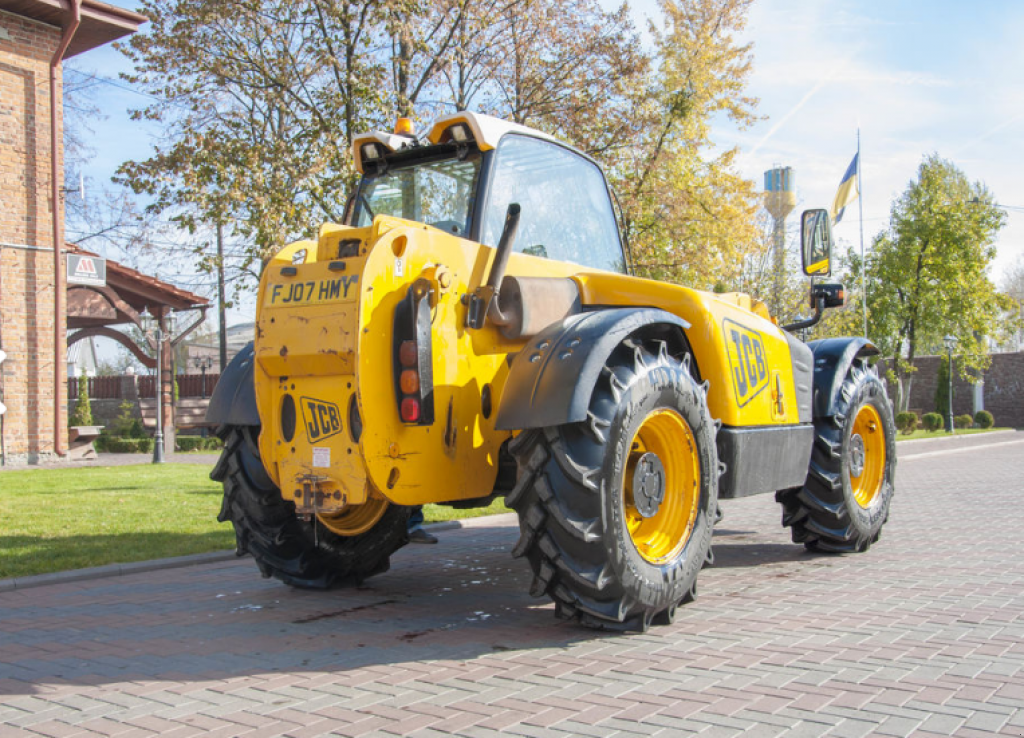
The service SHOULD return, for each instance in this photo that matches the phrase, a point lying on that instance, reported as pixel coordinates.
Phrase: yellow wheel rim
(867, 456)
(662, 534)
(356, 519)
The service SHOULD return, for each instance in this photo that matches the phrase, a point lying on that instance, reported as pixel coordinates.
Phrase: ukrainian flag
(849, 190)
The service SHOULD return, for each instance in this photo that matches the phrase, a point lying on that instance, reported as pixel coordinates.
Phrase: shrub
(82, 414)
(120, 425)
(906, 422)
(107, 443)
(963, 421)
(984, 419)
(931, 422)
(198, 443)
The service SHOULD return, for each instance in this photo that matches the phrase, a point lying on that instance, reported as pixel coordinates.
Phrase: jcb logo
(323, 419)
(747, 361)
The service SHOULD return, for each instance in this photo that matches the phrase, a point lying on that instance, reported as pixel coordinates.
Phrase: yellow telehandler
(472, 330)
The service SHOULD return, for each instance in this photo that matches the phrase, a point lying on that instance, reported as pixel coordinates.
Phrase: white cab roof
(487, 131)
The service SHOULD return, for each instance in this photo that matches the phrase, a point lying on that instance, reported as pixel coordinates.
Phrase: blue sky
(916, 78)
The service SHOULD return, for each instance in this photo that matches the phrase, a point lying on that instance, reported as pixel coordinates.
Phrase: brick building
(35, 36)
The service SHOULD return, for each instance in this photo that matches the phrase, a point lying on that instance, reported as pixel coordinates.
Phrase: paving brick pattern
(923, 635)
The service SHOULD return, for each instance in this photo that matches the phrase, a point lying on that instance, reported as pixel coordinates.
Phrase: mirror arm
(819, 309)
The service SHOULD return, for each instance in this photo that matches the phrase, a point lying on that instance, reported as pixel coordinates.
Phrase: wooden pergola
(94, 309)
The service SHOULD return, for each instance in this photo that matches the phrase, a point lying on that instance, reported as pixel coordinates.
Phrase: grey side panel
(551, 380)
(802, 359)
(833, 358)
(765, 459)
(234, 398)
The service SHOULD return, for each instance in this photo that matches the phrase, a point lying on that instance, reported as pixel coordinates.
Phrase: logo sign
(322, 419)
(87, 270)
(747, 361)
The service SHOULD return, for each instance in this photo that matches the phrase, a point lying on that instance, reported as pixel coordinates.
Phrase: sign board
(87, 269)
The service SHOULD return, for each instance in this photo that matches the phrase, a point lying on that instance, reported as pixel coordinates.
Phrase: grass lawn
(942, 433)
(59, 519)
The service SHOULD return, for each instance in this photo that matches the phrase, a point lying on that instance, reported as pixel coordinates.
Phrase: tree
(97, 217)
(82, 414)
(260, 100)
(1013, 287)
(927, 271)
(688, 215)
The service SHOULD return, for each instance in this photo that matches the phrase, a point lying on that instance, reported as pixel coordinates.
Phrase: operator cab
(468, 171)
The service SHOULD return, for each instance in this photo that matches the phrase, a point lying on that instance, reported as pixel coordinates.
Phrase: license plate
(313, 292)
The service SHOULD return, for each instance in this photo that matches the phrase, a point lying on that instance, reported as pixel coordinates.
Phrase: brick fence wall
(1003, 389)
(26, 246)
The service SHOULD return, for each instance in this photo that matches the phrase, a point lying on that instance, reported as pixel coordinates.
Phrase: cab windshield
(439, 193)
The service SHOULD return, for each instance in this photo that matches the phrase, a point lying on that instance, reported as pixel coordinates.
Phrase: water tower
(779, 201)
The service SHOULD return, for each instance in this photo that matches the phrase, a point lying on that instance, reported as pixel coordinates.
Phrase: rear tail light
(413, 356)
(410, 409)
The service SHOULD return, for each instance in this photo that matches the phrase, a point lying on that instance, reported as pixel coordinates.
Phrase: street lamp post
(152, 324)
(202, 363)
(950, 342)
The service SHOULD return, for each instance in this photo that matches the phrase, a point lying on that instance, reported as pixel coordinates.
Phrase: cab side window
(566, 210)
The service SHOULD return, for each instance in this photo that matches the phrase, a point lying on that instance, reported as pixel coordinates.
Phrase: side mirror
(816, 242)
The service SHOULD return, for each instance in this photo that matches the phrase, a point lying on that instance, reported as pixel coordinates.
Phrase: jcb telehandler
(472, 330)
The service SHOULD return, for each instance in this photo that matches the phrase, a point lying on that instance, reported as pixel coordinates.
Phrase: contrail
(988, 134)
(793, 111)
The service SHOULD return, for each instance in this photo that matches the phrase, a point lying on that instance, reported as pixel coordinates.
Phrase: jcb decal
(313, 292)
(747, 361)
(322, 419)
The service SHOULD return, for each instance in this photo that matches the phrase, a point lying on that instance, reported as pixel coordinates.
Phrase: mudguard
(832, 360)
(234, 398)
(552, 379)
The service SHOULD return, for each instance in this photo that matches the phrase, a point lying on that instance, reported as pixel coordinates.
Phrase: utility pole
(220, 298)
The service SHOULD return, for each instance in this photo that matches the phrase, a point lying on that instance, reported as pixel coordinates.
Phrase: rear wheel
(314, 554)
(845, 501)
(616, 512)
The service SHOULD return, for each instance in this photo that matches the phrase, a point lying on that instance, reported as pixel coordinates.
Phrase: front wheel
(616, 512)
(845, 501)
(313, 554)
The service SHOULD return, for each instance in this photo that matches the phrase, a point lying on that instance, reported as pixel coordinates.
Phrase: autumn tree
(927, 272)
(689, 215)
(260, 99)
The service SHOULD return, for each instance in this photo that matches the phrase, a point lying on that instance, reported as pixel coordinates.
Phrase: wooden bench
(80, 438)
(190, 412)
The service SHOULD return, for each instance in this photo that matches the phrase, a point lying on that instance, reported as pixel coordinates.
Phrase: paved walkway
(923, 635)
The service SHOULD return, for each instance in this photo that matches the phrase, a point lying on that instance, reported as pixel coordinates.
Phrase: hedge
(198, 443)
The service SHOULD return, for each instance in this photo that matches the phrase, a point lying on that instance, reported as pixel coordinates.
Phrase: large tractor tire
(616, 512)
(309, 554)
(845, 501)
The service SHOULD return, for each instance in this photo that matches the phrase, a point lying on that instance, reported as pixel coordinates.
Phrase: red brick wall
(26, 241)
(1004, 389)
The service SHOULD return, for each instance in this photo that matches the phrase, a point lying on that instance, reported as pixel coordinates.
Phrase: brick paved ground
(923, 635)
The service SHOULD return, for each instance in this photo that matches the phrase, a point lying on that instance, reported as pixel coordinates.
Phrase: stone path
(923, 635)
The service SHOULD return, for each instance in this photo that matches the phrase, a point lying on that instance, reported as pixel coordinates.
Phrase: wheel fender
(234, 398)
(551, 380)
(833, 358)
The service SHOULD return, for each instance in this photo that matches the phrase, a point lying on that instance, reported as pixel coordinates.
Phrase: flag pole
(863, 264)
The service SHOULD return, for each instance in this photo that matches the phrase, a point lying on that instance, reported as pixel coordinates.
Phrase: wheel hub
(648, 485)
(856, 455)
